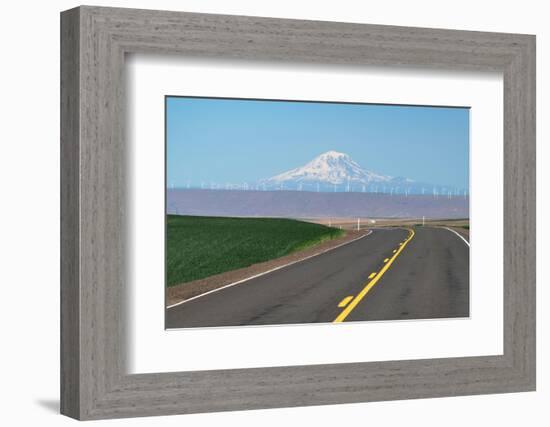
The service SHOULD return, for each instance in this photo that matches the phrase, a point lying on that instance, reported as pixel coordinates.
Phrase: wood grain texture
(70, 292)
(94, 381)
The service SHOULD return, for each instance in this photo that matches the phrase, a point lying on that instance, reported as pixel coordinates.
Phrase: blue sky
(235, 141)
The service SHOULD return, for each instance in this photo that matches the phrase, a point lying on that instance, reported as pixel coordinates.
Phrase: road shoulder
(462, 231)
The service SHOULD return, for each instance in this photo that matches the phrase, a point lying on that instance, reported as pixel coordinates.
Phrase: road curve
(428, 278)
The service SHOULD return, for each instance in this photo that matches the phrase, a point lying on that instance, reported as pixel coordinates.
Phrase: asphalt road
(388, 275)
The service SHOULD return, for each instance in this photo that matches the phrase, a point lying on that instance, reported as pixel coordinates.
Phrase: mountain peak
(333, 154)
(329, 168)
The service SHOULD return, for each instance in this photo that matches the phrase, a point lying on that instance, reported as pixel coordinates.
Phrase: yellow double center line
(345, 313)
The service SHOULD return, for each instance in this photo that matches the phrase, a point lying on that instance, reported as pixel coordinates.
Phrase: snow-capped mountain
(330, 169)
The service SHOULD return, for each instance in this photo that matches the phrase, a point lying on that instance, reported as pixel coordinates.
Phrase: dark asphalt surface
(429, 279)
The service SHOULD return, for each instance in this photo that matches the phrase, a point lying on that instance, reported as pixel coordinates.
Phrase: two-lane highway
(391, 274)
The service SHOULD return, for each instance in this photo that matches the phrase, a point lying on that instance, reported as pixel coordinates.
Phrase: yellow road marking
(345, 301)
(386, 260)
(350, 306)
(372, 275)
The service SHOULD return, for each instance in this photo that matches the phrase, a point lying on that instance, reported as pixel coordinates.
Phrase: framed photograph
(262, 213)
(295, 240)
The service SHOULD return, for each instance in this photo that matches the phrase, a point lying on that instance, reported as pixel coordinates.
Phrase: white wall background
(29, 224)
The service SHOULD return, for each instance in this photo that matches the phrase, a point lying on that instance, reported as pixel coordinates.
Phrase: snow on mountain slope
(331, 167)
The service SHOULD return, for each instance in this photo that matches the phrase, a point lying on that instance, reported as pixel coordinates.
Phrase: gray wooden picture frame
(94, 382)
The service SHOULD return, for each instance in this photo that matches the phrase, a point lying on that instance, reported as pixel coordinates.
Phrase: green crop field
(198, 247)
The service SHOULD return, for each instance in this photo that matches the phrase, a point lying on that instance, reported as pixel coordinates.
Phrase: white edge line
(458, 234)
(267, 272)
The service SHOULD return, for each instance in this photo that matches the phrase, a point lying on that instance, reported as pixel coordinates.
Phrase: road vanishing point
(390, 274)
